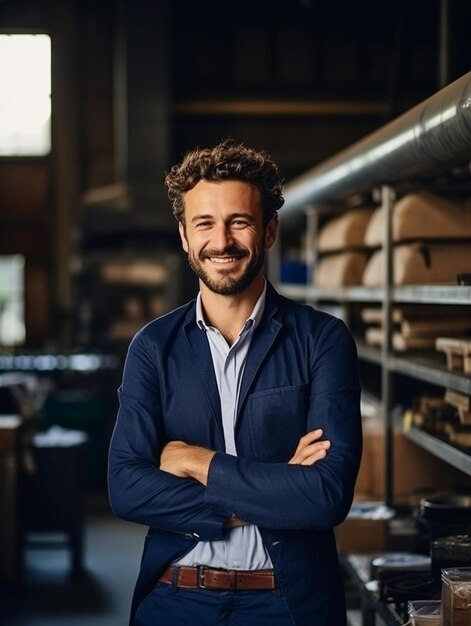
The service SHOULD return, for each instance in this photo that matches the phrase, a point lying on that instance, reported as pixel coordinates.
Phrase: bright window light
(12, 308)
(25, 95)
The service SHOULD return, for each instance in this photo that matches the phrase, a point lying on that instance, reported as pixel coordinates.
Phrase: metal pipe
(429, 138)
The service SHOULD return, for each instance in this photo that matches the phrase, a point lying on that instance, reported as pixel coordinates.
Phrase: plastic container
(450, 552)
(456, 596)
(424, 612)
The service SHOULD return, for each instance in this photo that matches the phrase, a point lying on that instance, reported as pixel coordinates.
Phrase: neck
(229, 313)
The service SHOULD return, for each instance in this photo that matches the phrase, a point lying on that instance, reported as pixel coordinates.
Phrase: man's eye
(239, 223)
(203, 225)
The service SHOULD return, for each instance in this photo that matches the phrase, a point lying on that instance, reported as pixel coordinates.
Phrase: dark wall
(300, 78)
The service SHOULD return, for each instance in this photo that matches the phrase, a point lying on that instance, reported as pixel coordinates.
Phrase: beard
(229, 282)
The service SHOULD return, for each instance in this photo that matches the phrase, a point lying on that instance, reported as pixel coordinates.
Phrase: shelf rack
(428, 144)
(440, 448)
(358, 567)
(413, 294)
(430, 369)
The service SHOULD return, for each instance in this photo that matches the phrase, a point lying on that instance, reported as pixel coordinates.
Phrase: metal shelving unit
(430, 369)
(368, 353)
(372, 400)
(336, 294)
(428, 144)
(433, 294)
(440, 448)
(413, 294)
(358, 566)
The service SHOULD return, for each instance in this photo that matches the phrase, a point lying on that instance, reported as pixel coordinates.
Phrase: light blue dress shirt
(242, 548)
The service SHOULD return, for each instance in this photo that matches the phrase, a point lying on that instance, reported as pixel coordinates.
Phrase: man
(238, 437)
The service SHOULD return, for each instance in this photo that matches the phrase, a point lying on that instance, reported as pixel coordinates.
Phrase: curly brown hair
(226, 161)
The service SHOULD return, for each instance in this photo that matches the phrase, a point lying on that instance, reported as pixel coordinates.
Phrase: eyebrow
(201, 217)
(246, 216)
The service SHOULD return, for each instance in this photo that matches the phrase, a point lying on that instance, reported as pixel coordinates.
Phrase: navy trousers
(167, 605)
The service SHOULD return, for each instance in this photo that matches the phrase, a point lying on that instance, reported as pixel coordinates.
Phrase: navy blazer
(301, 374)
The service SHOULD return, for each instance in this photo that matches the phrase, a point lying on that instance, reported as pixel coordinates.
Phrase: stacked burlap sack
(431, 237)
(431, 244)
(432, 241)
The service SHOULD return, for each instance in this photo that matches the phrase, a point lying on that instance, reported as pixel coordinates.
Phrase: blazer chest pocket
(277, 419)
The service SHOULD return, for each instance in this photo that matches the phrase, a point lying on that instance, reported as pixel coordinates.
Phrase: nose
(222, 236)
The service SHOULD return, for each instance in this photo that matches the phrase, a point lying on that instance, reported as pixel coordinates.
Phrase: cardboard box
(416, 471)
(362, 535)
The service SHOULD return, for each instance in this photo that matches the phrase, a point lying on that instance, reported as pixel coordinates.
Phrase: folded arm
(186, 461)
(295, 496)
(139, 491)
(301, 493)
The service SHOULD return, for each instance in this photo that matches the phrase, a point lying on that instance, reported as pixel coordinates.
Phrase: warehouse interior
(376, 230)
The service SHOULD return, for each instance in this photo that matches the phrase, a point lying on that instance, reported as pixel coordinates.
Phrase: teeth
(223, 259)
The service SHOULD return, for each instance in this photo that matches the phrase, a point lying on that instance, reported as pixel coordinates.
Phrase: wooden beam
(220, 107)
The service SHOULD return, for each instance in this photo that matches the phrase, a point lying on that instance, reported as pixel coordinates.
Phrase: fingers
(175, 445)
(310, 454)
(316, 455)
(309, 449)
(309, 438)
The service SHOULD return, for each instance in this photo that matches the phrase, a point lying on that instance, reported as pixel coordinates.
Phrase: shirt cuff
(221, 470)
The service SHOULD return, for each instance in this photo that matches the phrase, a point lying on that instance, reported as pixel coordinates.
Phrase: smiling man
(221, 235)
(238, 437)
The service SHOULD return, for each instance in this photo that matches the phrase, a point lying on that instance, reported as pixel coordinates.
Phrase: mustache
(229, 251)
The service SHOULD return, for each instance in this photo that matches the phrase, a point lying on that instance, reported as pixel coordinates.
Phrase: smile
(223, 260)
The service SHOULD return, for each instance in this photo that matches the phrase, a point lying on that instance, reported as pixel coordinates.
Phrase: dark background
(136, 83)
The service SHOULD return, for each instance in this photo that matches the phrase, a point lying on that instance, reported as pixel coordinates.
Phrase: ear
(181, 230)
(271, 231)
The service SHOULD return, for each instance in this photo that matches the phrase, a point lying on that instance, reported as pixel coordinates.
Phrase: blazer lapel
(262, 341)
(202, 353)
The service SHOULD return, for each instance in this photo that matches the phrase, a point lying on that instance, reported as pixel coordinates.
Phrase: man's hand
(185, 461)
(181, 459)
(308, 452)
(309, 449)
(234, 522)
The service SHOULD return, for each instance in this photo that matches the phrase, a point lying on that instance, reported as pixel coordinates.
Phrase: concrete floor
(100, 597)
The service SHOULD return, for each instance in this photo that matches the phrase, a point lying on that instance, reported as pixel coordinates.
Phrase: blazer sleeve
(138, 490)
(282, 496)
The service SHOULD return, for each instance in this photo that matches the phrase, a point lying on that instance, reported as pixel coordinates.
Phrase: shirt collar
(254, 318)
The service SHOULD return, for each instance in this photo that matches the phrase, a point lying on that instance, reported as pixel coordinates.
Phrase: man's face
(224, 234)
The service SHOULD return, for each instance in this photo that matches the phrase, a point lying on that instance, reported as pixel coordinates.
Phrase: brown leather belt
(202, 577)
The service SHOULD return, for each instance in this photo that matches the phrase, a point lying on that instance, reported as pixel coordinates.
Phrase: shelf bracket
(310, 251)
(387, 203)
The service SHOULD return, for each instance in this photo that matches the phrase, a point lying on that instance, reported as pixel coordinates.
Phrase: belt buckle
(200, 569)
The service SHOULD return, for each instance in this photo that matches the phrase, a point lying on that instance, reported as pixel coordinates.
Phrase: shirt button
(236, 564)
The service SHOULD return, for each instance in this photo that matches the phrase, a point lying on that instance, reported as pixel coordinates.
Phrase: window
(12, 316)
(25, 95)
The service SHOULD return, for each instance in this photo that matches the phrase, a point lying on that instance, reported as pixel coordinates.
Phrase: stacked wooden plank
(458, 352)
(447, 416)
(462, 403)
(416, 327)
(458, 430)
